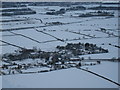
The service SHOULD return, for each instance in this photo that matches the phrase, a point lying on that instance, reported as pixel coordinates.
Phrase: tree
(55, 58)
(98, 62)
(13, 72)
(62, 62)
(78, 65)
(74, 52)
(35, 48)
(19, 66)
(5, 66)
(86, 44)
(46, 56)
(89, 58)
(82, 58)
(11, 57)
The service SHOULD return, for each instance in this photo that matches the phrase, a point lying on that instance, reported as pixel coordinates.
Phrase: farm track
(12, 44)
(3, 30)
(13, 20)
(57, 39)
(8, 35)
(25, 36)
(81, 34)
(107, 33)
(87, 38)
(32, 38)
(12, 29)
(29, 18)
(50, 35)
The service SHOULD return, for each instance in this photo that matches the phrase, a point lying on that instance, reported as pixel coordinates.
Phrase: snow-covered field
(68, 78)
(73, 30)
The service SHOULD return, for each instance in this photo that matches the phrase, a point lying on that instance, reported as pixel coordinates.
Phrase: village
(65, 57)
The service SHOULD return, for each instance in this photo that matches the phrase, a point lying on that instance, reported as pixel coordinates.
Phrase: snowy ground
(69, 78)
